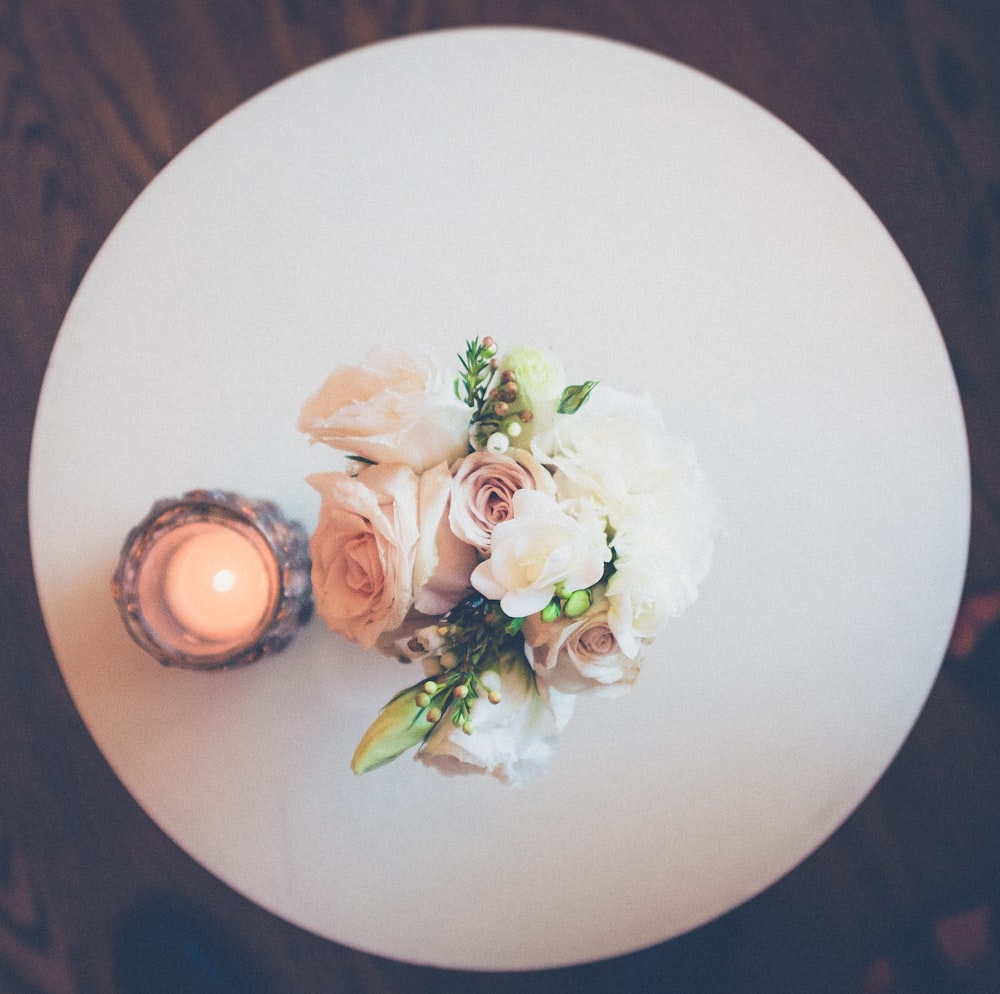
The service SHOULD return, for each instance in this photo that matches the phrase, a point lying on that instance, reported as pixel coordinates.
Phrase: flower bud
(574, 397)
(577, 603)
(430, 687)
(422, 700)
(551, 611)
(494, 697)
(434, 715)
(461, 691)
(497, 443)
(467, 727)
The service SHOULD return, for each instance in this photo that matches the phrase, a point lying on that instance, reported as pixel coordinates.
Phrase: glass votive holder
(213, 579)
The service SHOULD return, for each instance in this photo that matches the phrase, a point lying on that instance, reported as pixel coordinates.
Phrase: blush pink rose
(393, 409)
(483, 488)
(580, 655)
(363, 550)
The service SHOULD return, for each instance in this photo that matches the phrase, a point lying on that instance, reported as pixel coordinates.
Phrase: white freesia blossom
(513, 740)
(541, 547)
(394, 408)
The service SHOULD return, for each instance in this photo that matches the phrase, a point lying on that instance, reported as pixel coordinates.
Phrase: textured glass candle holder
(213, 579)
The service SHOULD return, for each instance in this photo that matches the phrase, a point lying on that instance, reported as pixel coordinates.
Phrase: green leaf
(574, 397)
(401, 724)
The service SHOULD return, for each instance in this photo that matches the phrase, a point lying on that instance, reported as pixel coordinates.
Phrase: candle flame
(223, 581)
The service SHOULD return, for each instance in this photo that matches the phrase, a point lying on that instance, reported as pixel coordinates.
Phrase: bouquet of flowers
(523, 539)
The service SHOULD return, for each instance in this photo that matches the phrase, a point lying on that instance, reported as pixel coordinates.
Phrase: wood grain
(96, 96)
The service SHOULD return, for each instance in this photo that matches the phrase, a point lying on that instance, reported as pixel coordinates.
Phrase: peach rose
(363, 550)
(483, 490)
(393, 409)
(383, 546)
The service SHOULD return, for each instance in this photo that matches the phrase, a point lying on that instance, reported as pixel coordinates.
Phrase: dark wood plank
(96, 96)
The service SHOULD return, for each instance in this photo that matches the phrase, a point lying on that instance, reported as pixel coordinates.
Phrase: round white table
(658, 231)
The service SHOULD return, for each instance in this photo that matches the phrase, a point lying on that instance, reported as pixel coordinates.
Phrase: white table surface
(657, 230)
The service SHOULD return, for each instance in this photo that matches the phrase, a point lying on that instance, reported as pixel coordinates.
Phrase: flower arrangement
(523, 539)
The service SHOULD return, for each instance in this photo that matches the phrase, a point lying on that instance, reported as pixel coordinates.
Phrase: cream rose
(539, 548)
(483, 488)
(579, 655)
(363, 550)
(514, 740)
(393, 409)
(540, 382)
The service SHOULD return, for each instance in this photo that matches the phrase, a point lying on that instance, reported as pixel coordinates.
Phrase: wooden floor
(96, 96)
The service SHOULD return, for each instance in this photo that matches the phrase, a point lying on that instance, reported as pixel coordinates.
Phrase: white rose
(514, 740)
(394, 408)
(580, 655)
(539, 548)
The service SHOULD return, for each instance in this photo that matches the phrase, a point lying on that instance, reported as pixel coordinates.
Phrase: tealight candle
(217, 584)
(213, 579)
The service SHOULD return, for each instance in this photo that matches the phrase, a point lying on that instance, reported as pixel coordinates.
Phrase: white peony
(662, 515)
(610, 449)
